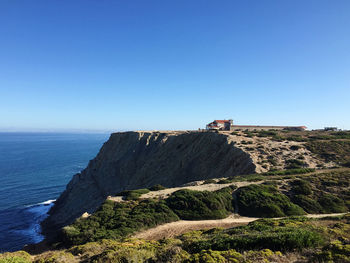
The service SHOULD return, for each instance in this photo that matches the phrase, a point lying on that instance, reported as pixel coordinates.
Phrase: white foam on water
(48, 202)
(39, 212)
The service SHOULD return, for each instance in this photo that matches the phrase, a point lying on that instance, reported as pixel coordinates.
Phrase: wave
(21, 226)
(39, 213)
(48, 202)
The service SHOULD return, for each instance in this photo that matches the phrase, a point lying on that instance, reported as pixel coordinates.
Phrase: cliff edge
(132, 160)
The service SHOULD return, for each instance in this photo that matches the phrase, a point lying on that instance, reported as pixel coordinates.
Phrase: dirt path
(162, 194)
(179, 227)
(204, 187)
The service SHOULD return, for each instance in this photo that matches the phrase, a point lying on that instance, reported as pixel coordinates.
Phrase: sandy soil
(162, 194)
(204, 187)
(261, 149)
(179, 227)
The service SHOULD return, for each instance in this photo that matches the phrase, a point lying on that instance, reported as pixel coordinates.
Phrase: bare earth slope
(132, 160)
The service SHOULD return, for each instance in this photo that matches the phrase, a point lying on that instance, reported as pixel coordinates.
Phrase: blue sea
(34, 170)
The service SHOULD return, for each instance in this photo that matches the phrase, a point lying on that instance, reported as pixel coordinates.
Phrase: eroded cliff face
(132, 160)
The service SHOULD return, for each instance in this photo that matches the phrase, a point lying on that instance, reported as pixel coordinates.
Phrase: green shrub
(347, 164)
(56, 256)
(130, 251)
(225, 181)
(117, 220)
(157, 187)
(272, 162)
(207, 256)
(196, 205)
(248, 178)
(133, 194)
(294, 147)
(334, 252)
(296, 138)
(341, 134)
(295, 164)
(271, 182)
(301, 187)
(249, 134)
(285, 235)
(335, 182)
(267, 133)
(308, 204)
(209, 181)
(15, 257)
(337, 151)
(290, 171)
(332, 204)
(265, 201)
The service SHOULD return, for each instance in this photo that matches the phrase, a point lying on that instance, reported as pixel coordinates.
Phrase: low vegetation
(157, 187)
(225, 181)
(337, 151)
(295, 239)
(280, 195)
(322, 193)
(133, 194)
(300, 136)
(295, 164)
(265, 201)
(196, 205)
(209, 181)
(117, 220)
(290, 171)
(15, 257)
(327, 145)
(280, 235)
(105, 236)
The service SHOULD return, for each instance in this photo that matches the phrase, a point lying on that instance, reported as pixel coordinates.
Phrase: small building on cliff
(220, 125)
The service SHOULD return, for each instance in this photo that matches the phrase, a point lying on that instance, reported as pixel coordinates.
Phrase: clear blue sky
(126, 65)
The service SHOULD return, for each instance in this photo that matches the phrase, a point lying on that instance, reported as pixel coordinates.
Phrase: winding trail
(163, 194)
(179, 227)
(200, 186)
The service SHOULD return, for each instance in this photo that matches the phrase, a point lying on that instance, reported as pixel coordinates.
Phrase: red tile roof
(221, 121)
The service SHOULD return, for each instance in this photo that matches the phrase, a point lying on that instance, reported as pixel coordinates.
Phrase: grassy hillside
(278, 196)
(196, 205)
(118, 220)
(265, 201)
(105, 236)
(331, 150)
(295, 239)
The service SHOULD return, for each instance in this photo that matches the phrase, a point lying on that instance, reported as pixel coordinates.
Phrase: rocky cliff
(132, 160)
